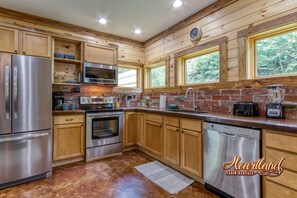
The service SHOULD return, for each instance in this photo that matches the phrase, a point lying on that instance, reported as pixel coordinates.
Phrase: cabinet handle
(177, 129)
(24, 52)
(16, 51)
(182, 131)
(69, 120)
(161, 125)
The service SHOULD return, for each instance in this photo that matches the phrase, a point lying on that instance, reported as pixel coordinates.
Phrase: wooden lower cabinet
(68, 137)
(139, 131)
(153, 137)
(277, 144)
(171, 144)
(191, 151)
(191, 156)
(130, 127)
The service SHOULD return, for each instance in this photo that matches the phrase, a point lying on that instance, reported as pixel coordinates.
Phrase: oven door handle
(107, 116)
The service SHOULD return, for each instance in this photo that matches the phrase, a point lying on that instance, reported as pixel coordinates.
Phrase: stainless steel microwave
(100, 74)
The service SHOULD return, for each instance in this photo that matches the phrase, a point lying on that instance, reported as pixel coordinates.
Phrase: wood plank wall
(224, 22)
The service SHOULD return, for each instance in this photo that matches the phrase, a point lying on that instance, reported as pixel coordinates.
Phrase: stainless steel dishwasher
(221, 144)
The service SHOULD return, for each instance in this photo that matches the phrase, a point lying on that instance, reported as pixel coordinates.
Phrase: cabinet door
(36, 44)
(9, 40)
(191, 151)
(153, 137)
(171, 144)
(100, 54)
(139, 129)
(68, 141)
(129, 129)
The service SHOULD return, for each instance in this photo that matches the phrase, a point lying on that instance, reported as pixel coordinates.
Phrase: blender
(274, 108)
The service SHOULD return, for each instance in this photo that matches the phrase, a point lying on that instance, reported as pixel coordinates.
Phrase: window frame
(138, 75)
(149, 75)
(194, 55)
(163, 61)
(251, 50)
(221, 43)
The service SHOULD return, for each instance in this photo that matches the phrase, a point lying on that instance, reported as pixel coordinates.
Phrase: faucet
(187, 94)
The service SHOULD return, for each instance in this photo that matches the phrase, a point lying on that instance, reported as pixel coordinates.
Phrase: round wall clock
(196, 34)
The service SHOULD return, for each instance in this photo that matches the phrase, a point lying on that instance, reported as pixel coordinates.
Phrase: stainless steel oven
(104, 127)
(100, 74)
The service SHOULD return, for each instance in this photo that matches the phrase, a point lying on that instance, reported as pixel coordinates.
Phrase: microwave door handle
(15, 92)
(7, 92)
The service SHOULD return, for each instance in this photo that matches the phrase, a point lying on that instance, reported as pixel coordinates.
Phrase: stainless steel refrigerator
(25, 118)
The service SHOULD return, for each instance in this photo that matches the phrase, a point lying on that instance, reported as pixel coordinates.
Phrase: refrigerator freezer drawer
(24, 155)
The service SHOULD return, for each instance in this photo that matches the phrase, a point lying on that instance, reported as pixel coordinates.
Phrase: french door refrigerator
(25, 118)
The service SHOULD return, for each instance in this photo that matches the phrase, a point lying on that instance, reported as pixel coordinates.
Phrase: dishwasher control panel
(233, 130)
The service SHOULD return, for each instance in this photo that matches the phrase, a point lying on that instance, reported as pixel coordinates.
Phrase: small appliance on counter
(58, 100)
(245, 109)
(274, 108)
(128, 99)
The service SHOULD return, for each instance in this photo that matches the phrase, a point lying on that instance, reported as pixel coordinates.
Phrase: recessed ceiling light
(102, 20)
(177, 3)
(137, 31)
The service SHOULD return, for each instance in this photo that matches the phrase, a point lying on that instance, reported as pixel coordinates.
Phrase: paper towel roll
(163, 102)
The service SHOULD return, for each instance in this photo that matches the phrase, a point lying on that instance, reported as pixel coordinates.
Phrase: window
(273, 53)
(199, 67)
(156, 73)
(158, 76)
(203, 68)
(127, 77)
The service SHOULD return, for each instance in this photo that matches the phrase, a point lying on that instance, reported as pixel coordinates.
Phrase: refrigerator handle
(15, 92)
(7, 92)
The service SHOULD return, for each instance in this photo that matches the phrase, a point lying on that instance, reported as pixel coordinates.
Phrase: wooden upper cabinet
(9, 40)
(100, 54)
(36, 44)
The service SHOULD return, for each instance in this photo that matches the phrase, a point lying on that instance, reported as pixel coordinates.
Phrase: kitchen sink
(186, 111)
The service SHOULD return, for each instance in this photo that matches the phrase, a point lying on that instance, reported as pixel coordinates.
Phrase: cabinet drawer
(277, 191)
(281, 141)
(287, 178)
(288, 163)
(154, 117)
(191, 124)
(172, 121)
(68, 119)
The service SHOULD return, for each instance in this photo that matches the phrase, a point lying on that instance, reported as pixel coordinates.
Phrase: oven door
(104, 128)
(100, 74)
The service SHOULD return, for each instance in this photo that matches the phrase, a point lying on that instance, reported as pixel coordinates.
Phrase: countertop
(76, 111)
(285, 125)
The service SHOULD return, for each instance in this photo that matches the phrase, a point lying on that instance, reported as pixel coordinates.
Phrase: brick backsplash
(207, 100)
(222, 100)
(94, 90)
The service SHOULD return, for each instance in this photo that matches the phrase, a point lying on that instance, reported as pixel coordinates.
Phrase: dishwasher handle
(227, 134)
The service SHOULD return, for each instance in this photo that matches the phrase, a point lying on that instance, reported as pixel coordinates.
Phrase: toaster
(246, 109)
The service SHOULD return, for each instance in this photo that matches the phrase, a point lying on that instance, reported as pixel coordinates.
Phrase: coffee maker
(274, 108)
(58, 100)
